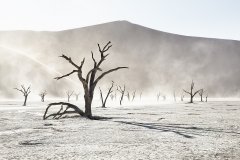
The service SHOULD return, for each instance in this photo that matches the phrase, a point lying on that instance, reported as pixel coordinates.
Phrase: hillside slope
(158, 61)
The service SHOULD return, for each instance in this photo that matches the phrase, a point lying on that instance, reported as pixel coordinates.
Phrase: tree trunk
(121, 99)
(25, 101)
(42, 98)
(105, 101)
(88, 106)
(104, 105)
(191, 100)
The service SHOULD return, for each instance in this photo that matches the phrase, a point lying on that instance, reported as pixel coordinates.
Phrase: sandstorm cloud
(158, 61)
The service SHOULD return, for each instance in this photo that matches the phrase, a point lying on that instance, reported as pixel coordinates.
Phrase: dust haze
(157, 61)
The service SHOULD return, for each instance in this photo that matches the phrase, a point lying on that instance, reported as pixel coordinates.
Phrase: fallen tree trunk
(61, 111)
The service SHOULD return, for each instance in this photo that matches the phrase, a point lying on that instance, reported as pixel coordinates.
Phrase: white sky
(204, 18)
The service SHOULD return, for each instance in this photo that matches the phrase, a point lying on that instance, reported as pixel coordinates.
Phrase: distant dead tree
(201, 94)
(133, 95)
(42, 95)
(108, 93)
(25, 93)
(69, 95)
(182, 96)
(128, 95)
(174, 96)
(191, 92)
(158, 96)
(206, 97)
(90, 82)
(164, 97)
(112, 96)
(122, 91)
(115, 94)
(140, 95)
(77, 95)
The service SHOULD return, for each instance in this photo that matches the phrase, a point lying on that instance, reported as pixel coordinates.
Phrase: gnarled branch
(66, 75)
(59, 113)
(107, 72)
(69, 60)
(186, 91)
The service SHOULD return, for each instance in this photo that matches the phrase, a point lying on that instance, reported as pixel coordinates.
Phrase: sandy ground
(157, 131)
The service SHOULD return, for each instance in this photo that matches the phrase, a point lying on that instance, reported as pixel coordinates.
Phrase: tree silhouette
(133, 95)
(25, 93)
(69, 95)
(112, 96)
(164, 97)
(158, 96)
(174, 96)
(122, 91)
(42, 95)
(140, 95)
(182, 96)
(191, 92)
(128, 96)
(108, 93)
(201, 94)
(90, 82)
(77, 95)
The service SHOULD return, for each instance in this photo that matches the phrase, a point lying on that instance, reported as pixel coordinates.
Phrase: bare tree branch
(197, 92)
(95, 63)
(106, 47)
(66, 75)
(107, 72)
(80, 67)
(19, 90)
(69, 106)
(186, 91)
(69, 60)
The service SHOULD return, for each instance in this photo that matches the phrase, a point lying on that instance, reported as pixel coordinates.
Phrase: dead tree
(158, 96)
(182, 96)
(191, 92)
(112, 96)
(108, 93)
(115, 94)
(122, 91)
(69, 95)
(201, 94)
(174, 96)
(90, 82)
(42, 95)
(133, 95)
(164, 97)
(206, 97)
(77, 95)
(140, 96)
(25, 93)
(128, 96)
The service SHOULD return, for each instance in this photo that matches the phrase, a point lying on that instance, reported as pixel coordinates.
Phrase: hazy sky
(205, 18)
